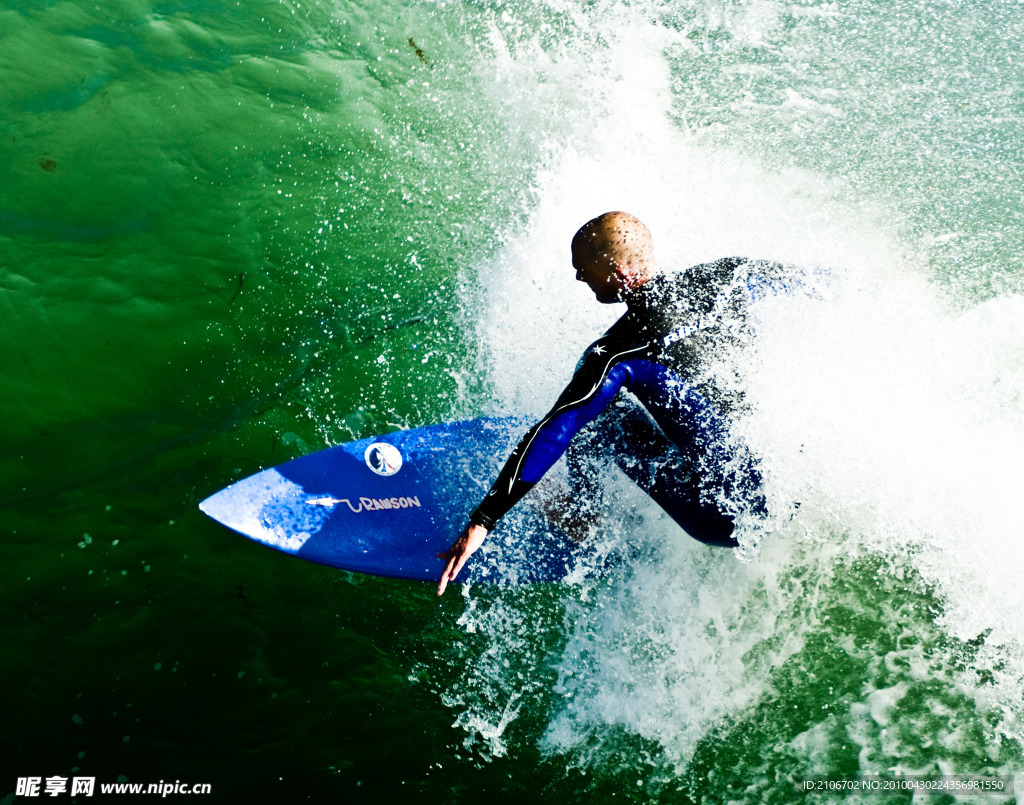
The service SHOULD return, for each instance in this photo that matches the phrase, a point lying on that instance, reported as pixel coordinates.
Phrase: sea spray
(869, 610)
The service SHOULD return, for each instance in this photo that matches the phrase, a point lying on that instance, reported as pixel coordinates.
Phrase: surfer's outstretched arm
(598, 378)
(596, 382)
(465, 546)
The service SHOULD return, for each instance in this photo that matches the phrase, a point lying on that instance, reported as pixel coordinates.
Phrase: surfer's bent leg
(627, 436)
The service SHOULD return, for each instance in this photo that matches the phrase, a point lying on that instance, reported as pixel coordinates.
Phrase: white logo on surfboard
(384, 459)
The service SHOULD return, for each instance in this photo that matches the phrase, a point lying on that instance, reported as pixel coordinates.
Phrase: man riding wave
(670, 434)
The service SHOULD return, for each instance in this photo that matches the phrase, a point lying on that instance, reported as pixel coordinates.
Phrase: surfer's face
(602, 274)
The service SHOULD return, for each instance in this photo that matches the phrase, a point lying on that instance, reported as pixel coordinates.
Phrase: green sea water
(234, 233)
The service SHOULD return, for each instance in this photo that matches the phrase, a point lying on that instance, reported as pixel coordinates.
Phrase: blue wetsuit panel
(554, 434)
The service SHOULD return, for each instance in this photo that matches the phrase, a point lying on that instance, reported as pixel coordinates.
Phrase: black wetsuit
(686, 461)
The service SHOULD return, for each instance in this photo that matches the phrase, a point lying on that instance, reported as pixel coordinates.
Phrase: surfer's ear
(631, 276)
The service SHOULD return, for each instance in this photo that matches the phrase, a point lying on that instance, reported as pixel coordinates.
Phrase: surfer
(677, 446)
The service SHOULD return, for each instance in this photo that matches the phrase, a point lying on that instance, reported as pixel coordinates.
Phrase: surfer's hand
(463, 548)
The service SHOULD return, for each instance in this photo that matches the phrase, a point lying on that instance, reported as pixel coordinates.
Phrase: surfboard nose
(269, 508)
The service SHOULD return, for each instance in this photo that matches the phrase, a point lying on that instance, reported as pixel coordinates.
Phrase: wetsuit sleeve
(739, 282)
(597, 380)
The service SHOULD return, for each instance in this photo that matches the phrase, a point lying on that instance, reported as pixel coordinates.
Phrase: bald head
(613, 254)
(618, 235)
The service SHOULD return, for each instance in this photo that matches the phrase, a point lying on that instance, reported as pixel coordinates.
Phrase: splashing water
(889, 407)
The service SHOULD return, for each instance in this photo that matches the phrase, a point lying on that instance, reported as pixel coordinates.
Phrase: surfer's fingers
(461, 563)
(465, 546)
(448, 575)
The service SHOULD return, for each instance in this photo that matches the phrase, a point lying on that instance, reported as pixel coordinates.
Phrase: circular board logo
(383, 459)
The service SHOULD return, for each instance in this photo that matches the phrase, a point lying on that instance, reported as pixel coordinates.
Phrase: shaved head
(618, 236)
(613, 254)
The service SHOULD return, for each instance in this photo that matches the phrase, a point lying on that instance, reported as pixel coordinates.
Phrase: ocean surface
(232, 233)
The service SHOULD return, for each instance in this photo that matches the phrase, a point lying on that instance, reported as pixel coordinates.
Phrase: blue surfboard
(387, 505)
